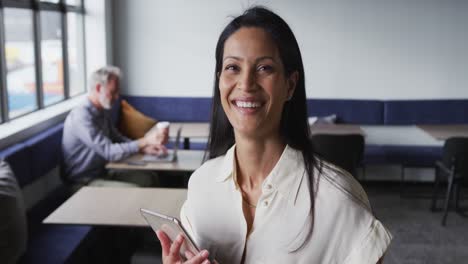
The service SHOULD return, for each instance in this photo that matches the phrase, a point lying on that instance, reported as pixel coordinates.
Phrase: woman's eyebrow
(265, 58)
(256, 60)
(232, 57)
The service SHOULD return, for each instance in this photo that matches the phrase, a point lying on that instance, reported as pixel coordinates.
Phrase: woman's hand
(171, 251)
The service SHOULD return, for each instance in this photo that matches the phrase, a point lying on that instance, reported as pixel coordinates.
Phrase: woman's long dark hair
(294, 128)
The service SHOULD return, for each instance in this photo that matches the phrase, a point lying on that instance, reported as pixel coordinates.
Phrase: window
(76, 54)
(73, 2)
(20, 61)
(42, 52)
(52, 57)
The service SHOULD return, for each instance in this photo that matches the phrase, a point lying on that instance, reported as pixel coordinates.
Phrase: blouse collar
(285, 177)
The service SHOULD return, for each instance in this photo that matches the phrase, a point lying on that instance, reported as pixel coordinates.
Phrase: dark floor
(418, 236)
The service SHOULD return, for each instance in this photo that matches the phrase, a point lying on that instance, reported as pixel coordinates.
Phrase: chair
(453, 166)
(345, 151)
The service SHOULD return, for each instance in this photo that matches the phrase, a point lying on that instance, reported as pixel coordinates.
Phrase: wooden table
(443, 132)
(190, 130)
(336, 129)
(113, 206)
(187, 161)
(200, 130)
(398, 136)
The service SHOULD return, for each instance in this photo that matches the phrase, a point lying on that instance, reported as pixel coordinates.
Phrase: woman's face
(252, 83)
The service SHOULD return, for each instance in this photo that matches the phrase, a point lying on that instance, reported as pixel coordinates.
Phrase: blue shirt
(90, 140)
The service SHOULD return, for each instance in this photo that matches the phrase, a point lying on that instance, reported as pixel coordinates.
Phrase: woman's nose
(247, 81)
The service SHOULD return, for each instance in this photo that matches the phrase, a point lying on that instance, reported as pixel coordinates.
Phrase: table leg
(186, 143)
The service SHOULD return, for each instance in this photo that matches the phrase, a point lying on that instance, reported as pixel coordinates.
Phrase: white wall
(364, 49)
(95, 35)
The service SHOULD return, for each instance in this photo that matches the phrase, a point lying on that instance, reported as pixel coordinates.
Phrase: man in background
(90, 139)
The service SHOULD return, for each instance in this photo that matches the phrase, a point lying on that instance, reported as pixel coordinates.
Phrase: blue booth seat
(418, 112)
(176, 109)
(364, 112)
(360, 112)
(51, 244)
(45, 150)
(186, 109)
(374, 154)
(31, 160)
(413, 156)
(19, 158)
(407, 156)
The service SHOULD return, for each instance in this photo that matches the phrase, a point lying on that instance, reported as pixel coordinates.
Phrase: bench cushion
(176, 109)
(45, 150)
(54, 244)
(18, 157)
(368, 112)
(408, 156)
(48, 242)
(374, 154)
(410, 112)
(413, 156)
(36, 156)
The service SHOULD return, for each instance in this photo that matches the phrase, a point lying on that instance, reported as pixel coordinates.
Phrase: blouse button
(265, 203)
(268, 187)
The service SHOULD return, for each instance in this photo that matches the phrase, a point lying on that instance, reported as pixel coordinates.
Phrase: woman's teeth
(247, 104)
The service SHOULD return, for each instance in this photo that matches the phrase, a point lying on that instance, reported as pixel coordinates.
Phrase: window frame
(37, 6)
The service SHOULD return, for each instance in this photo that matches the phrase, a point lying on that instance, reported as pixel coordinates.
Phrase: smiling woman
(253, 86)
(264, 197)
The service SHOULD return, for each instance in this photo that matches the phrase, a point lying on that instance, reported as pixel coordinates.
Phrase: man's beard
(105, 102)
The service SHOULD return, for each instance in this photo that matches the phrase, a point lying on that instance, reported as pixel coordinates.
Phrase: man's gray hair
(102, 75)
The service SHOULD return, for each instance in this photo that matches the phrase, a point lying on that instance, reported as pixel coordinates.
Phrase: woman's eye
(265, 68)
(231, 68)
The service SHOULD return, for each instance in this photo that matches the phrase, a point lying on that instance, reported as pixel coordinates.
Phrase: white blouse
(344, 228)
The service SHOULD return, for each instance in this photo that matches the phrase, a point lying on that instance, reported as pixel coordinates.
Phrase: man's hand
(154, 150)
(157, 136)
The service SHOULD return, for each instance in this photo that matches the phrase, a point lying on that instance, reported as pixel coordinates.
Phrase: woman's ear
(292, 83)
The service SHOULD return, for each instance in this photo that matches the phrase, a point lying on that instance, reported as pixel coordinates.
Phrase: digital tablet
(172, 227)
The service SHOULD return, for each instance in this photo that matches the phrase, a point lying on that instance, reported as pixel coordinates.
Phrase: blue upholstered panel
(54, 244)
(176, 109)
(185, 109)
(426, 112)
(348, 111)
(36, 156)
(45, 149)
(198, 145)
(19, 158)
(51, 243)
(409, 156)
(374, 154)
(413, 156)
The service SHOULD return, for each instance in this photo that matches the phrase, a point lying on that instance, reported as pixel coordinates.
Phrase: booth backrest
(176, 109)
(185, 109)
(364, 112)
(410, 112)
(368, 112)
(36, 156)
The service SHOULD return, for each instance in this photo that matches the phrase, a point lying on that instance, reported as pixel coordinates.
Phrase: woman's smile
(247, 106)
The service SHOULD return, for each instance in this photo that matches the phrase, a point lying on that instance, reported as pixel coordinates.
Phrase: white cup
(163, 125)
